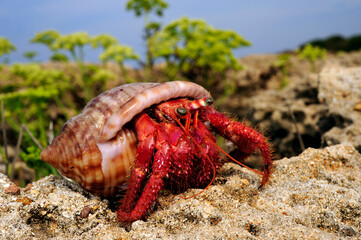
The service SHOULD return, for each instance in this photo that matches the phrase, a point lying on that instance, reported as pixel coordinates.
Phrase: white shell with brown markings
(94, 148)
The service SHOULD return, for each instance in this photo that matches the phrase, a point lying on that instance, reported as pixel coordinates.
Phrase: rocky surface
(340, 90)
(315, 195)
(322, 109)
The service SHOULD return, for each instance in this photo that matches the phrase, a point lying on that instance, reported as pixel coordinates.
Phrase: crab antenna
(188, 116)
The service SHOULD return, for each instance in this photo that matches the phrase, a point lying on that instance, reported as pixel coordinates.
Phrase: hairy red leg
(200, 156)
(146, 131)
(208, 152)
(168, 138)
(245, 138)
(182, 158)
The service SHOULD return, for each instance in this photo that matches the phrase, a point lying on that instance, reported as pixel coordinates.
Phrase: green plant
(193, 47)
(311, 53)
(47, 38)
(144, 8)
(119, 53)
(74, 43)
(30, 55)
(100, 78)
(59, 57)
(103, 40)
(29, 100)
(284, 64)
(32, 93)
(6, 47)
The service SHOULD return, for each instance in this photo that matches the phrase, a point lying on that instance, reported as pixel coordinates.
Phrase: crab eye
(209, 101)
(182, 111)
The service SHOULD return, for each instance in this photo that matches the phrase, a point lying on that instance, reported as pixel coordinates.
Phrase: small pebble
(357, 106)
(85, 212)
(12, 189)
(28, 187)
(244, 182)
(25, 200)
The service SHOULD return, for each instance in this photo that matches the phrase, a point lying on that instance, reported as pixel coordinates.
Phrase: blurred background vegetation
(37, 98)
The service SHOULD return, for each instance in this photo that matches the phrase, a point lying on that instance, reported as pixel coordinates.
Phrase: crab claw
(245, 138)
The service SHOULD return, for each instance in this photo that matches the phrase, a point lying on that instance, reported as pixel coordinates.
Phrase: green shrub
(145, 8)
(193, 47)
(311, 53)
(30, 96)
(103, 40)
(6, 47)
(74, 43)
(30, 55)
(283, 64)
(119, 53)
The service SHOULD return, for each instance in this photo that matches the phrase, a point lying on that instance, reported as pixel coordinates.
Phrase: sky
(270, 25)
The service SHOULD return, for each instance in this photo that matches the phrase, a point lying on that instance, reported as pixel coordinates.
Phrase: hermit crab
(149, 136)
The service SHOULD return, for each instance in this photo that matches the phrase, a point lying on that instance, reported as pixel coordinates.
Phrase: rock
(321, 109)
(340, 90)
(12, 189)
(315, 195)
(85, 212)
(285, 114)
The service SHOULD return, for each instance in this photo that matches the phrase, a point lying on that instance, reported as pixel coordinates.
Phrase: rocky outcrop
(340, 90)
(315, 195)
(321, 109)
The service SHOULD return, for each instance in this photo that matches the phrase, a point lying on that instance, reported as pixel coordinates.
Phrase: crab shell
(96, 148)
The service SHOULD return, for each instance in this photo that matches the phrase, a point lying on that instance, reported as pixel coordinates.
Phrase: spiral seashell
(97, 147)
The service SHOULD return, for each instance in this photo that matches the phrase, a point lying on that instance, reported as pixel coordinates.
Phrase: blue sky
(271, 25)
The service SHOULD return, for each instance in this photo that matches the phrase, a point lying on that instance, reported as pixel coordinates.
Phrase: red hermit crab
(150, 136)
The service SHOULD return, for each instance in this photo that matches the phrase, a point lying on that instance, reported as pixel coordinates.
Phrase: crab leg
(170, 149)
(208, 154)
(146, 130)
(245, 138)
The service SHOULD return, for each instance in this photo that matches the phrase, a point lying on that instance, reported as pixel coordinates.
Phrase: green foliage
(31, 94)
(144, 7)
(47, 38)
(100, 78)
(74, 43)
(103, 40)
(311, 53)
(6, 46)
(59, 57)
(118, 53)
(283, 64)
(338, 43)
(193, 45)
(34, 90)
(30, 55)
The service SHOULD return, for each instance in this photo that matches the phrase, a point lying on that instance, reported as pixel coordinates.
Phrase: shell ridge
(145, 99)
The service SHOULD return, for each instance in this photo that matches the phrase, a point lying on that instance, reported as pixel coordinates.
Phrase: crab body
(164, 131)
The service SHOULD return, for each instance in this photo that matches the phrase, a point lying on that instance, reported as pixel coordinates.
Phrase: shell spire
(48, 155)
